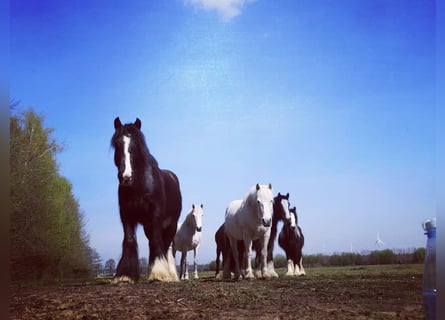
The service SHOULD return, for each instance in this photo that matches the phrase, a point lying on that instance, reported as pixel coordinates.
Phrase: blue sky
(333, 102)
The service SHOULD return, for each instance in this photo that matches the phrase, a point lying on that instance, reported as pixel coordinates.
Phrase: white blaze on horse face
(293, 222)
(128, 170)
(285, 205)
(198, 213)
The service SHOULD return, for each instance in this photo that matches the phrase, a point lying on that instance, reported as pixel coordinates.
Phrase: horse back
(233, 221)
(173, 199)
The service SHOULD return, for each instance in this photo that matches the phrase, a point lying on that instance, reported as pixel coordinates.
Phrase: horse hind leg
(183, 274)
(217, 262)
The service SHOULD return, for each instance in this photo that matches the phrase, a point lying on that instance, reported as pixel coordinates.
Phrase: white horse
(248, 220)
(188, 237)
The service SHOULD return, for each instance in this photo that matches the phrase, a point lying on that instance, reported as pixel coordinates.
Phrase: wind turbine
(379, 241)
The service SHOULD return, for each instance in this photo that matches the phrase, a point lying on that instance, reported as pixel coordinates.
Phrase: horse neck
(146, 164)
(189, 221)
(274, 227)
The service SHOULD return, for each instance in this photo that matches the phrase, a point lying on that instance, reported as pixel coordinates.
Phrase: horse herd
(151, 196)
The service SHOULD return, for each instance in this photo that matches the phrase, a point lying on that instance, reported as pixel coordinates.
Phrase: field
(362, 292)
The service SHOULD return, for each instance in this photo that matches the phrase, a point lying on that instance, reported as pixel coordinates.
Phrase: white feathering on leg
(163, 270)
(271, 269)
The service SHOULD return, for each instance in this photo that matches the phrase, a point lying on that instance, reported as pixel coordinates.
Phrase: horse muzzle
(125, 181)
(267, 222)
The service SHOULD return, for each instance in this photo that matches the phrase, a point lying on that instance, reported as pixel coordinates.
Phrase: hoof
(250, 276)
(122, 279)
(274, 274)
(271, 269)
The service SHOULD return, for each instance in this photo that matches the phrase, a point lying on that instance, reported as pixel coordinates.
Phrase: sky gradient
(333, 102)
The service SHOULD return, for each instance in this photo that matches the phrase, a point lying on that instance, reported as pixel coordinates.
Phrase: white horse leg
(195, 262)
(186, 266)
(302, 271)
(290, 267)
(172, 263)
(271, 269)
(264, 270)
(296, 269)
(248, 254)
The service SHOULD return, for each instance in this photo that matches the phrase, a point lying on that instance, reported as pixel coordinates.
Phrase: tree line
(376, 257)
(47, 236)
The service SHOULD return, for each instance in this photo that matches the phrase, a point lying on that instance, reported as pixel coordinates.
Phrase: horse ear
(202, 206)
(117, 123)
(138, 123)
(287, 196)
(279, 194)
(193, 206)
(270, 185)
(257, 187)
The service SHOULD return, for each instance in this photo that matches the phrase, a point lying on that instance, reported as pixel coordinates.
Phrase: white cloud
(227, 9)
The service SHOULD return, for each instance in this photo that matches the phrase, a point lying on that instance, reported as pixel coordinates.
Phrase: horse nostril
(199, 229)
(125, 180)
(266, 223)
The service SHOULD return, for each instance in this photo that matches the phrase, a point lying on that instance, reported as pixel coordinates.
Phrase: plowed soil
(370, 292)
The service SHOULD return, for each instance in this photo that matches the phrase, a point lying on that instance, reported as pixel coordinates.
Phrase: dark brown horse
(291, 239)
(149, 196)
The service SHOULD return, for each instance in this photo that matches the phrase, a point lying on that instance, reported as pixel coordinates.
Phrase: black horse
(280, 213)
(291, 239)
(149, 196)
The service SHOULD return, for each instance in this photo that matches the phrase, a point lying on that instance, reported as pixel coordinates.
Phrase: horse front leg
(161, 264)
(195, 262)
(248, 256)
(128, 266)
(290, 263)
(264, 270)
(299, 269)
(302, 271)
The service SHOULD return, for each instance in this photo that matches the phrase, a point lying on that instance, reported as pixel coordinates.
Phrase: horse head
(197, 213)
(281, 207)
(293, 221)
(124, 142)
(264, 199)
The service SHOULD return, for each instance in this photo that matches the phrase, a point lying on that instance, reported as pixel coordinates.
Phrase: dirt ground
(370, 292)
